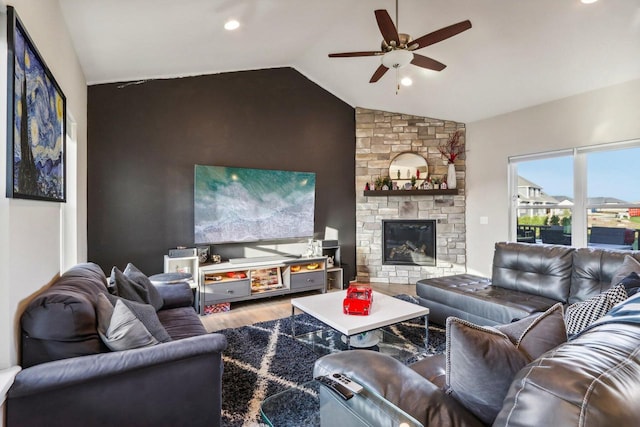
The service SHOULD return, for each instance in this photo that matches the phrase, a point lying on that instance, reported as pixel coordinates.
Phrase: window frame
(579, 210)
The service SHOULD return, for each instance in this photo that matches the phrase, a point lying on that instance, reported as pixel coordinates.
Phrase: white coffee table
(385, 311)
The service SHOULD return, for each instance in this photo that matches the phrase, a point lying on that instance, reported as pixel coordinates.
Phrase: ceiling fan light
(588, 1)
(397, 58)
(406, 81)
(231, 25)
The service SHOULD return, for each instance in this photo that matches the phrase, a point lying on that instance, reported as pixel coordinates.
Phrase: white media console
(252, 278)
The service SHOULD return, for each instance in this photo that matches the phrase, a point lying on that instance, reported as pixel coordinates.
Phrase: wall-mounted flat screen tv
(234, 205)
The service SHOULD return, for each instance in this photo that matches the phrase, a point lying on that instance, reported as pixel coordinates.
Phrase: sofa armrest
(161, 385)
(175, 294)
(398, 384)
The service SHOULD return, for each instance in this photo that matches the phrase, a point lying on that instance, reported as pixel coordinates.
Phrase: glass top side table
(313, 404)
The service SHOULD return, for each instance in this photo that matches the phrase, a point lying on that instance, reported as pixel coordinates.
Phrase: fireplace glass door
(409, 242)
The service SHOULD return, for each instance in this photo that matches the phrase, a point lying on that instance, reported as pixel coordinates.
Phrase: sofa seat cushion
(475, 295)
(181, 322)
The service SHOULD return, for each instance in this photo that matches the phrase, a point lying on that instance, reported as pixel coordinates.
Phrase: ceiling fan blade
(378, 73)
(387, 27)
(428, 63)
(352, 54)
(439, 35)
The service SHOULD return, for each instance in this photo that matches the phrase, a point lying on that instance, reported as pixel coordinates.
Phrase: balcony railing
(607, 237)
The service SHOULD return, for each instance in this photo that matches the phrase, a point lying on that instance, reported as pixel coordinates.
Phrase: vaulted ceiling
(518, 53)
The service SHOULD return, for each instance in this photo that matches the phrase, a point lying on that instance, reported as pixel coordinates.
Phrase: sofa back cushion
(61, 321)
(543, 270)
(593, 270)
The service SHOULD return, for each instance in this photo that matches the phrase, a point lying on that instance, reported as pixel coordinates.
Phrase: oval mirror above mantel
(407, 165)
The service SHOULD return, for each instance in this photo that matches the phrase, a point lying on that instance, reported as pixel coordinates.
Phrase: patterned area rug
(263, 359)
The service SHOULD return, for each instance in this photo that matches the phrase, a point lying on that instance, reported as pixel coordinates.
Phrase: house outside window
(588, 196)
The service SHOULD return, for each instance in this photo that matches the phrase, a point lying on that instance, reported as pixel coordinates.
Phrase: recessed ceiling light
(406, 81)
(588, 1)
(231, 25)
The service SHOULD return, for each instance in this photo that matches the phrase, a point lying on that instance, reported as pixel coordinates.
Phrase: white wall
(606, 115)
(30, 230)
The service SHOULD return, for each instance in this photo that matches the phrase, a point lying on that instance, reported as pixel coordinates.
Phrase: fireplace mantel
(379, 193)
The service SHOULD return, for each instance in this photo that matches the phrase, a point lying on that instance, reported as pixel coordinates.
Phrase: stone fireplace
(380, 137)
(408, 242)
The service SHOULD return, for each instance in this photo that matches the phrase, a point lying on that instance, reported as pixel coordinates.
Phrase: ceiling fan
(397, 49)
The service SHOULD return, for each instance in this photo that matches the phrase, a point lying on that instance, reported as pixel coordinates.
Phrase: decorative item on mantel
(383, 183)
(436, 183)
(450, 151)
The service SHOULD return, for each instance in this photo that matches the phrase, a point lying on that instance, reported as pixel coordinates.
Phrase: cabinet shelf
(265, 288)
(231, 276)
(377, 193)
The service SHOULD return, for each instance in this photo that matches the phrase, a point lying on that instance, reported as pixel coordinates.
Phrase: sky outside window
(614, 173)
(611, 173)
(554, 175)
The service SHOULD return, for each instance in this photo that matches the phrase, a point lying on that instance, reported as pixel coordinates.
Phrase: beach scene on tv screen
(249, 205)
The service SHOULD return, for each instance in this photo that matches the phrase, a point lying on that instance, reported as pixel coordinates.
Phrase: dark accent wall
(145, 138)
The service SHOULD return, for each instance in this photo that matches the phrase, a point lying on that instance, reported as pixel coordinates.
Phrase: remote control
(347, 382)
(341, 390)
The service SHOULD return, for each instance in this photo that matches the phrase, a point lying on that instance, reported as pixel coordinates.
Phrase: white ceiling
(519, 53)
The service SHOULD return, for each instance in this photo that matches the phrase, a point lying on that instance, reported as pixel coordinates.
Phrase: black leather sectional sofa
(522, 373)
(526, 278)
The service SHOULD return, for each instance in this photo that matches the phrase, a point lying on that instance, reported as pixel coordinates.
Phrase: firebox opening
(409, 242)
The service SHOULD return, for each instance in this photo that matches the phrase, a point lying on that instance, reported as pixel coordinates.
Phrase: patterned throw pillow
(582, 314)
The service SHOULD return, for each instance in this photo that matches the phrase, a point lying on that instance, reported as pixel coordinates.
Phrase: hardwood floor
(249, 312)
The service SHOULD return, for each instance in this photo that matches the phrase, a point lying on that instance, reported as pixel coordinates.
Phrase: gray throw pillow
(629, 265)
(481, 361)
(154, 297)
(538, 333)
(119, 328)
(582, 314)
(127, 288)
(146, 314)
